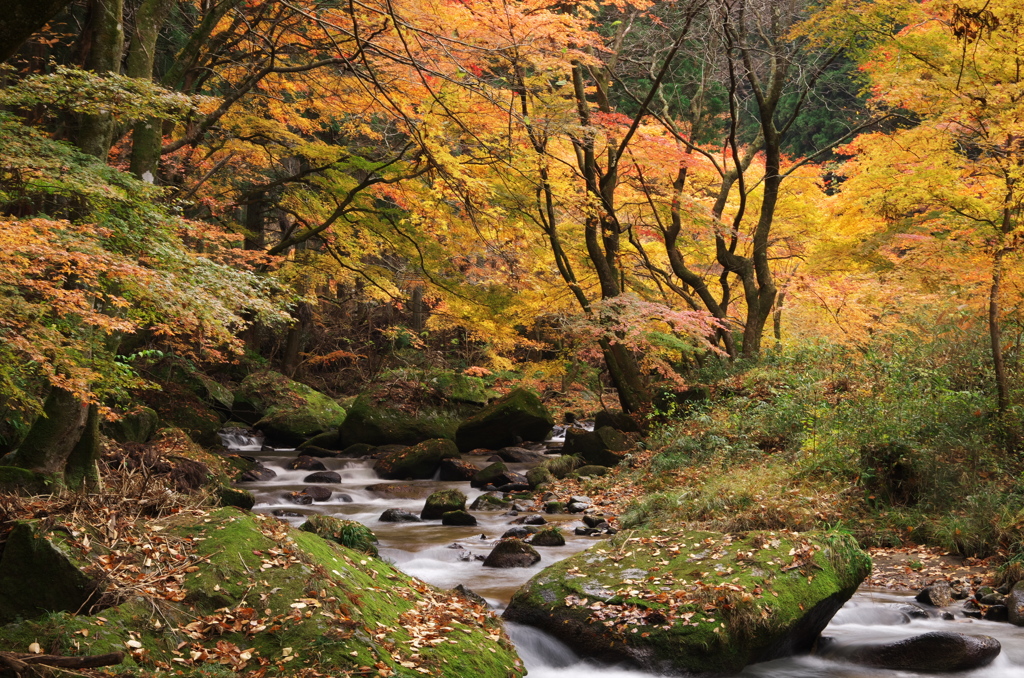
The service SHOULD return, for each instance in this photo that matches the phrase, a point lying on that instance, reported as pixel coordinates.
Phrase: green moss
(441, 502)
(519, 415)
(419, 461)
(377, 425)
(348, 533)
(290, 411)
(232, 496)
(14, 480)
(336, 609)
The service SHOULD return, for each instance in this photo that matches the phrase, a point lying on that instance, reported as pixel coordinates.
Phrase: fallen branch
(19, 662)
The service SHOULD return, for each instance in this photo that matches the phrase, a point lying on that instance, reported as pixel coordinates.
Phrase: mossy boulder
(377, 425)
(517, 416)
(618, 420)
(418, 462)
(458, 519)
(457, 470)
(732, 600)
(605, 446)
(442, 502)
(15, 480)
(539, 476)
(290, 412)
(550, 536)
(233, 496)
(135, 426)
(497, 474)
(490, 501)
(180, 408)
(462, 388)
(348, 533)
(42, 571)
(511, 553)
(317, 599)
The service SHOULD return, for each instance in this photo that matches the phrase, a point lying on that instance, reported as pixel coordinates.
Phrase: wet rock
(457, 470)
(282, 513)
(323, 477)
(419, 461)
(548, 537)
(381, 451)
(939, 651)
(399, 491)
(996, 613)
(1015, 604)
(576, 507)
(393, 515)
(517, 416)
(260, 472)
(960, 592)
(972, 609)
(938, 594)
(520, 455)
(535, 520)
(300, 498)
(470, 595)
(511, 553)
(520, 532)
(318, 493)
(233, 496)
(554, 507)
(304, 463)
(993, 599)
(593, 520)
(442, 502)
(345, 498)
(497, 474)
(799, 613)
(586, 531)
(514, 487)
(489, 501)
(458, 518)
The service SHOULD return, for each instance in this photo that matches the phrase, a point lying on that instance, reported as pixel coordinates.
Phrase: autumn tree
(952, 173)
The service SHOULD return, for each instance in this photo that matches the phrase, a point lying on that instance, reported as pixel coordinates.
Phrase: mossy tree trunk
(96, 133)
(54, 436)
(146, 135)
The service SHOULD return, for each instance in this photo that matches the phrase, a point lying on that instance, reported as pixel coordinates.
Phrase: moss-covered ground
(241, 593)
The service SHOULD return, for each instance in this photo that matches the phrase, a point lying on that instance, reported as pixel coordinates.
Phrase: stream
(447, 556)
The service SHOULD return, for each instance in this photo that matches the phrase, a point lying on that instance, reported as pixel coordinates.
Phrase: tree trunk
(96, 133)
(995, 332)
(296, 338)
(54, 435)
(147, 134)
(81, 471)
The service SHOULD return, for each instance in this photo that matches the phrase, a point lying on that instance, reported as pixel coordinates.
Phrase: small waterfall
(241, 440)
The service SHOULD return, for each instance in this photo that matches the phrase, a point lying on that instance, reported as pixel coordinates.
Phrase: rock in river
(760, 596)
(511, 553)
(939, 651)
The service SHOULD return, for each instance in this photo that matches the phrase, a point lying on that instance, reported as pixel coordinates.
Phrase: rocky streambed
(577, 618)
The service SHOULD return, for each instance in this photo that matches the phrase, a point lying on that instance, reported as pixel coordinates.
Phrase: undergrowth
(898, 444)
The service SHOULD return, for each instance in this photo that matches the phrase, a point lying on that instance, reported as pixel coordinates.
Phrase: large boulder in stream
(316, 601)
(683, 601)
(513, 418)
(378, 425)
(935, 652)
(441, 502)
(290, 412)
(418, 462)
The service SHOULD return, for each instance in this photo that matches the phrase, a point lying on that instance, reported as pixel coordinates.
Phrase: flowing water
(447, 556)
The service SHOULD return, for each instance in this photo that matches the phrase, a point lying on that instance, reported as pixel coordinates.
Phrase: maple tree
(951, 176)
